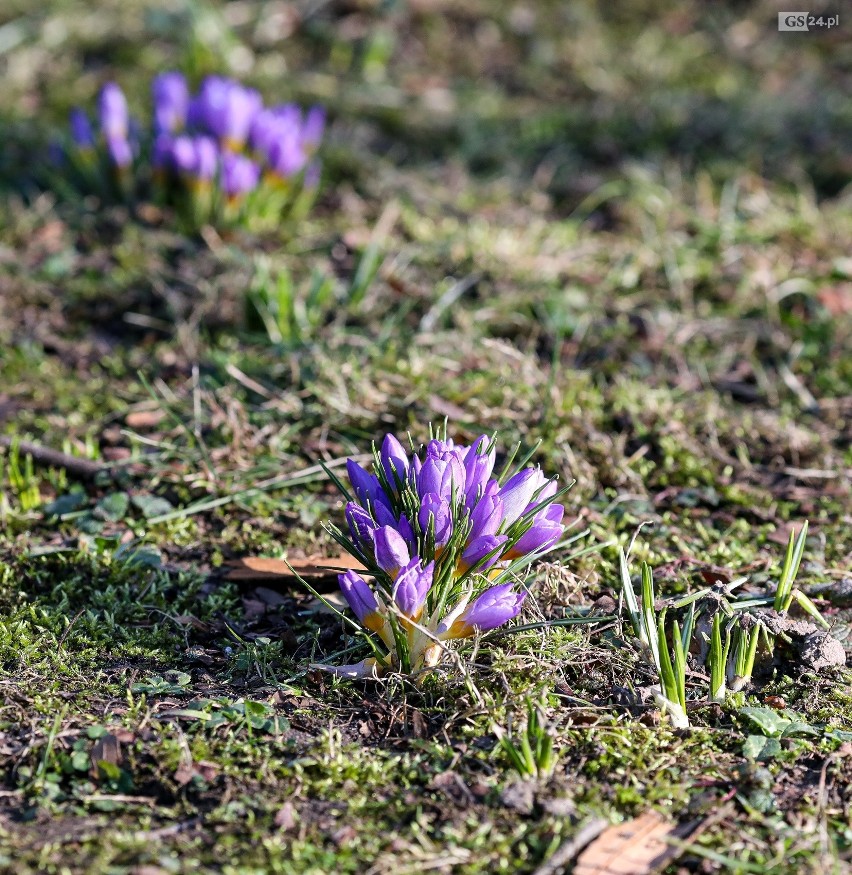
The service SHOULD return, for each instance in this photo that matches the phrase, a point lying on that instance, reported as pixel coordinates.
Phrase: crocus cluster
(219, 153)
(441, 540)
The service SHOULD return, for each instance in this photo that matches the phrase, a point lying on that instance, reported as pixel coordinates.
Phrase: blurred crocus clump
(219, 156)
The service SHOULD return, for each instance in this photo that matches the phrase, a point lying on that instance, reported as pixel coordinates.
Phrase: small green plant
(786, 591)
(530, 750)
(643, 619)
(284, 312)
(671, 670)
(717, 659)
(745, 640)
(23, 494)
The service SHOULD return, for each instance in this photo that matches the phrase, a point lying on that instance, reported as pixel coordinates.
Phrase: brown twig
(82, 469)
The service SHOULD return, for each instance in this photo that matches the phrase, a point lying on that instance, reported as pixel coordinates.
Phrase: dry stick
(82, 469)
(566, 852)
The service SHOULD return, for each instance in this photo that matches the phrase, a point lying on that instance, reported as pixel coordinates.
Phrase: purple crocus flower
(391, 550)
(412, 586)
(170, 95)
(478, 466)
(361, 599)
(112, 113)
(394, 459)
(441, 477)
(240, 174)
(438, 510)
(493, 608)
(285, 154)
(361, 525)
(545, 531)
(226, 109)
(478, 549)
(367, 487)
(487, 515)
(438, 448)
(196, 156)
(518, 491)
(81, 129)
(120, 151)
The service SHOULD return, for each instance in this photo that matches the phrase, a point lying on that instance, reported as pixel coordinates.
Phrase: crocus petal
(113, 113)
(394, 459)
(539, 536)
(170, 95)
(366, 486)
(361, 525)
(391, 550)
(478, 549)
(486, 517)
(411, 587)
(434, 508)
(478, 466)
(81, 129)
(493, 608)
(518, 491)
(358, 594)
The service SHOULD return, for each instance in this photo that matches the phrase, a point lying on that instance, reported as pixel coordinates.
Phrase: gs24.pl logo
(788, 21)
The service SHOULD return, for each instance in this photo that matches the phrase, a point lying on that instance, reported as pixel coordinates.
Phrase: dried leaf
(636, 847)
(311, 568)
(145, 418)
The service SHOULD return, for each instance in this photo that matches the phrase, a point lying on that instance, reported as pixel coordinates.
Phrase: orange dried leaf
(636, 847)
(312, 567)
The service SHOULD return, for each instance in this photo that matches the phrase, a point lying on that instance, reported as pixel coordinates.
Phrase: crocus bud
(313, 174)
(361, 525)
(493, 608)
(170, 95)
(240, 175)
(441, 477)
(226, 109)
(81, 129)
(391, 550)
(285, 154)
(478, 466)
(362, 600)
(518, 491)
(197, 157)
(411, 587)
(394, 459)
(545, 531)
(365, 484)
(119, 151)
(486, 517)
(112, 112)
(478, 549)
(435, 509)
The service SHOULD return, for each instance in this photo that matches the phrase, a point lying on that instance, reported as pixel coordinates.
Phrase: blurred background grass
(568, 91)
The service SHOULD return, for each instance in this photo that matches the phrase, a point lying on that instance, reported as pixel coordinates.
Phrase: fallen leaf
(144, 418)
(311, 568)
(636, 847)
